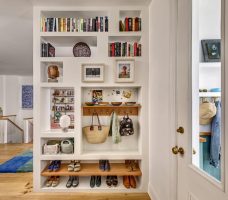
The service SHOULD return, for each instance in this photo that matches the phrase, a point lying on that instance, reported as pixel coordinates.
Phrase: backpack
(126, 126)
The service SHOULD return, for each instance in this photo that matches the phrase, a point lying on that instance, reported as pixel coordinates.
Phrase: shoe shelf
(92, 169)
(107, 110)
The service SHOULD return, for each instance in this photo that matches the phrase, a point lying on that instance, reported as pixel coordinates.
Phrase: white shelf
(58, 157)
(210, 94)
(84, 184)
(210, 64)
(55, 85)
(57, 134)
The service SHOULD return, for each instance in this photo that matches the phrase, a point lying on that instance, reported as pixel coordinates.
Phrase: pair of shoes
(129, 181)
(95, 180)
(73, 181)
(104, 165)
(112, 181)
(132, 165)
(54, 165)
(52, 181)
(74, 166)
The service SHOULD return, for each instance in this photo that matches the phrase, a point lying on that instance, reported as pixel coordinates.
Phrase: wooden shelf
(107, 110)
(92, 169)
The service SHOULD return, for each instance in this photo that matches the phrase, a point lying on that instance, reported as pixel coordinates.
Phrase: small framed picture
(93, 72)
(211, 50)
(97, 96)
(125, 71)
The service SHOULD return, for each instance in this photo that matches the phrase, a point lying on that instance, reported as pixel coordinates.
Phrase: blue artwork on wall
(27, 96)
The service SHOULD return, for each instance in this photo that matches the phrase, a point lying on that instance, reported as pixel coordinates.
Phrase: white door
(193, 182)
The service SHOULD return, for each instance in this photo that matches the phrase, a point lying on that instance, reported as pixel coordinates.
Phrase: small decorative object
(96, 134)
(27, 96)
(125, 71)
(81, 49)
(53, 73)
(130, 103)
(93, 72)
(127, 94)
(89, 103)
(126, 126)
(97, 96)
(211, 50)
(51, 148)
(67, 146)
(116, 103)
(64, 122)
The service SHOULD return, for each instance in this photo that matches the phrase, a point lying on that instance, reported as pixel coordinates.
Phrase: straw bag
(96, 134)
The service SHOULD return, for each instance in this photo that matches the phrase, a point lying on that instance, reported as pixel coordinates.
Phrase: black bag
(126, 126)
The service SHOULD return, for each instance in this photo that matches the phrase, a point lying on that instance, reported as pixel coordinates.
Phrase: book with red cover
(113, 49)
(126, 24)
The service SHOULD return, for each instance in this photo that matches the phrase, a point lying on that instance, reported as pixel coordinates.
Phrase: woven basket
(96, 134)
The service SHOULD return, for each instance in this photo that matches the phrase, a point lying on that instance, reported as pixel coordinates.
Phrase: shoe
(75, 181)
(114, 181)
(126, 182)
(132, 181)
(107, 166)
(102, 165)
(55, 181)
(134, 165)
(70, 167)
(49, 181)
(98, 181)
(50, 167)
(77, 166)
(69, 182)
(56, 165)
(92, 181)
(128, 165)
(109, 181)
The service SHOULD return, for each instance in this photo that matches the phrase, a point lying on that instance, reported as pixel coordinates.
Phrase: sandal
(49, 181)
(50, 166)
(70, 167)
(109, 181)
(77, 166)
(55, 181)
(107, 165)
(102, 165)
(126, 182)
(92, 181)
(98, 181)
(56, 165)
(114, 181)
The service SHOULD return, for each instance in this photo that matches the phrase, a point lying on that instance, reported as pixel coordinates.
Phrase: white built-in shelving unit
(135, 147)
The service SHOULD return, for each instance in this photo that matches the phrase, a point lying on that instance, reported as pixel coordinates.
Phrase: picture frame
(211, 50)
(125, 71)
(93, 72)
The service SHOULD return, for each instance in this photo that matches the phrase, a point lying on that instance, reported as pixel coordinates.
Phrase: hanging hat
(207, 112)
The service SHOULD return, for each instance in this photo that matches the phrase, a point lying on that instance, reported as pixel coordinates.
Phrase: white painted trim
(152, 193)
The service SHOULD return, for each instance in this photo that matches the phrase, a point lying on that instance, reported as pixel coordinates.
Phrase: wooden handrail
(6, 116)
(18, 127)
(28, 118)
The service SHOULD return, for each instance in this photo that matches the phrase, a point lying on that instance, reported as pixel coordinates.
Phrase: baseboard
(153, 195)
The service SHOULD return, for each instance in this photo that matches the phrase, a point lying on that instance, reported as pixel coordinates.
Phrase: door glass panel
(206, 86)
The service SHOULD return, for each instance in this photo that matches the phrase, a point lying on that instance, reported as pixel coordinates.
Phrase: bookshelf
(133, 147)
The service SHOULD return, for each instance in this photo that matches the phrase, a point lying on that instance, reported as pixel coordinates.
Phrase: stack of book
(51, 24)
(47, 50)
(125, 49)
(130, 24)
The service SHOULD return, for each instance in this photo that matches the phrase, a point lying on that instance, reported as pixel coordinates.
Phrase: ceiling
(16, 30)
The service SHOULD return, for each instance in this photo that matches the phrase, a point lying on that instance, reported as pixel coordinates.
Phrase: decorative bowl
(89, 103)
(116, 103)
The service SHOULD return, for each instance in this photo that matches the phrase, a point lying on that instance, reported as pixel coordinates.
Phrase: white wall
(11, 96)
(160, 86)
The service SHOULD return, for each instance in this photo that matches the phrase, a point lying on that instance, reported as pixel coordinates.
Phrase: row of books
(47, 50)
(130, 24)
(51, 24)
(125, 49)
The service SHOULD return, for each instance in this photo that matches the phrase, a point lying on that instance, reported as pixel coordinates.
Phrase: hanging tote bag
(96, 134)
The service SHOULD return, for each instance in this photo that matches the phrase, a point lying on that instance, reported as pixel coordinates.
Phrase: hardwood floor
(18, 186)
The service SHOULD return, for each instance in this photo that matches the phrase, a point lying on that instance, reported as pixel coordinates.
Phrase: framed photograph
(93, 72)
(97, 96)
(211, 50)
(27, 97)
(125, 71)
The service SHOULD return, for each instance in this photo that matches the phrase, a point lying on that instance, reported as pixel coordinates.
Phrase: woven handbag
(96, 134)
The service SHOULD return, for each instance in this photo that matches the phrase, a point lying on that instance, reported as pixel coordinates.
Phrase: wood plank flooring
(18, 186)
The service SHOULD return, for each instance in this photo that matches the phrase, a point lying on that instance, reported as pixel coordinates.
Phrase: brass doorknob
(177, 150)
(180, 130)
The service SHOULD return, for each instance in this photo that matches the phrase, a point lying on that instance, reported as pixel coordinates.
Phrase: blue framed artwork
(27, 97)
